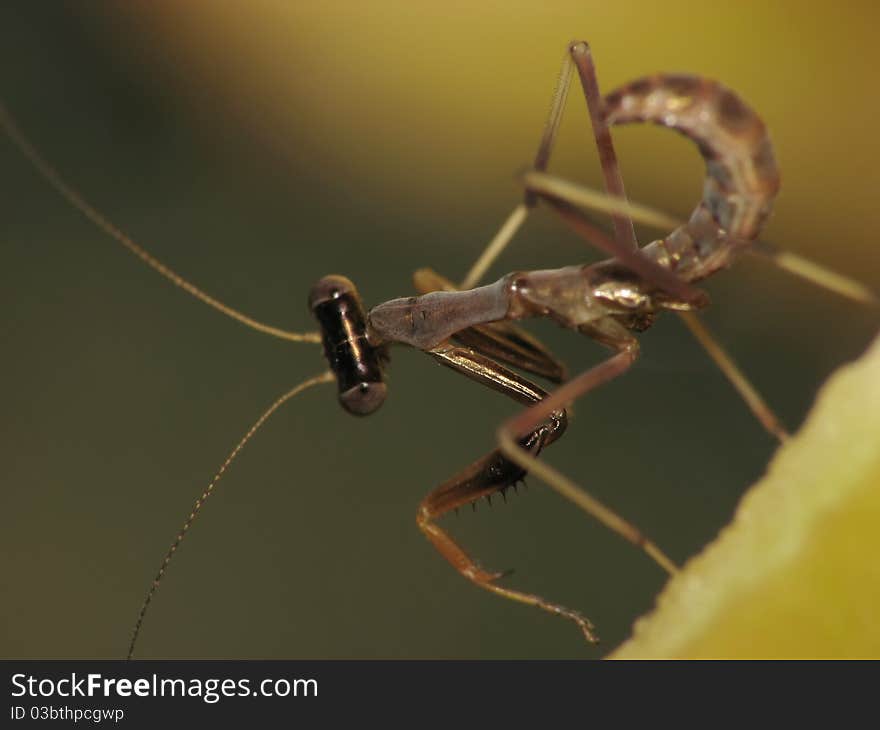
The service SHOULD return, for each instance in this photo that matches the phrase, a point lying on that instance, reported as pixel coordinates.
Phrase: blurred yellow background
(255, 149)
(438, 99)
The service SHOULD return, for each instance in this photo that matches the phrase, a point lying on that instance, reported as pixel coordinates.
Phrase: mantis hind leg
(577, 57)
(509, 436)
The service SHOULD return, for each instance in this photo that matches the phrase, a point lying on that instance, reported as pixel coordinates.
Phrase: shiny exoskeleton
(608, 301)
(471, 330)
(356, 363)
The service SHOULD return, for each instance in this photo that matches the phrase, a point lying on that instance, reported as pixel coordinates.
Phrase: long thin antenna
(53, 177)
(326, 377)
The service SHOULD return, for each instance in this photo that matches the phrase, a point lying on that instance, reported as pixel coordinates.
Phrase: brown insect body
(607, 301)
(470, 329)
(740, 185)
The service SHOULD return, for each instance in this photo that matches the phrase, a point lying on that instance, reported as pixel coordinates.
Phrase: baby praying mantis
(470, 329)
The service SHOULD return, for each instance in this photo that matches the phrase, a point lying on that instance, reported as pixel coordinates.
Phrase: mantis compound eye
(356, 363)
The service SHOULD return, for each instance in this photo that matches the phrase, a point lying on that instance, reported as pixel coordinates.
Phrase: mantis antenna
(54, 178)
(325, 377)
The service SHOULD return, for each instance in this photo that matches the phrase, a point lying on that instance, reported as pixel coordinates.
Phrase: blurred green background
(257, 148)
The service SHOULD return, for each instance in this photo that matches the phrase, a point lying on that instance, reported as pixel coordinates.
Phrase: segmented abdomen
(742, 177)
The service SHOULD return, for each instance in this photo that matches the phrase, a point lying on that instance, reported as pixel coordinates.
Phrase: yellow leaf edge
(797, 571)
